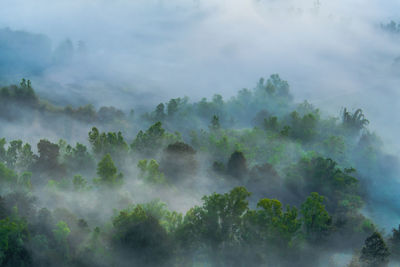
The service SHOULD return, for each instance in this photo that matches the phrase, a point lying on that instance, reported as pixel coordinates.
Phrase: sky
(332, 53)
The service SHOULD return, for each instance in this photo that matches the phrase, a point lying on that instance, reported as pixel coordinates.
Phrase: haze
(333, 53)
(128, 81)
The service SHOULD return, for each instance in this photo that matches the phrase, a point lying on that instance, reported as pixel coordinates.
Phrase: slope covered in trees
(255, 180)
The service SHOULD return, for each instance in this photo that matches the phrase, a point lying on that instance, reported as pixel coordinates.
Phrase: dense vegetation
(257, 180)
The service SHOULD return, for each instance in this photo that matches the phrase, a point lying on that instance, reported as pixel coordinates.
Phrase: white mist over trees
(139, 133)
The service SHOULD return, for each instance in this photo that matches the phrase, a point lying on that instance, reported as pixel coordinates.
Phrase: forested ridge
(254, 180)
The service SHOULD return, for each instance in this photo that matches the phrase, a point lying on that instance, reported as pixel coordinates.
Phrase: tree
(79, 158)
(260, 118)
(264, 180)
(147, 143)
(25, 93)
(178, 162)
(79, 183)
(159, 113)
(112, 143)
(215, 123)
(375, 253)
(26, 158)
(109, 114)
(21, 203)
(394, 242)
(13, 238)
(271, 124)
(237, 166)
(277, 227)
(3, 151)
(86, 113)
(61, 233)
(48, 157)
(173, 106)
(335, 147)
(322, 175)
(139, 234)
(216, 225)
(303, 128)
(277, 86)
(7, 175)
(316, 220)
(149, 171)
(18, 156)
(107, 172)
(12, 153)
(355, 121)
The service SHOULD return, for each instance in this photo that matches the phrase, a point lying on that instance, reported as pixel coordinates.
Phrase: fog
(334, 54)
(136, 54)
(195, 48)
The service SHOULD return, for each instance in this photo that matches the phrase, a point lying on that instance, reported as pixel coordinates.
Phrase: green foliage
(217, 221)
(85, 113)
(271, 124)
(7, 175)
(48, 157)
(149, 171)
(302, 128)
(139, 233)
(12, 153)
(214, 123)
(277, 86)
(13, 238)
(78, 158)
(108, 173)
(147, 143)
(335, 147)
(274, 147)
(374, 253)
(23, 93)
(316, 220)
(354, 122)
(11, 181)
(17, 156)
(323, 176)
(24, 181)
(61, 232)
(277, 227)
(80, 184)
(106, 143)
(169, 220)
(3, 151)
(159, 113)
(172, 106)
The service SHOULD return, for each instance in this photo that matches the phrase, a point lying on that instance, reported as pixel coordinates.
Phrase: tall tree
(316, 220)
(374, 253)
(178, 162)
(107, 172)
(237, 166)
(139, 234)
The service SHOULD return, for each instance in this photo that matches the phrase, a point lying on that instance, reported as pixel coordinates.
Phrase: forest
(188, 133)
(254, 180)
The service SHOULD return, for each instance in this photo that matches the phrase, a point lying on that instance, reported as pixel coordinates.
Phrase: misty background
(333, 54)
(126, 57)
(135, 54)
